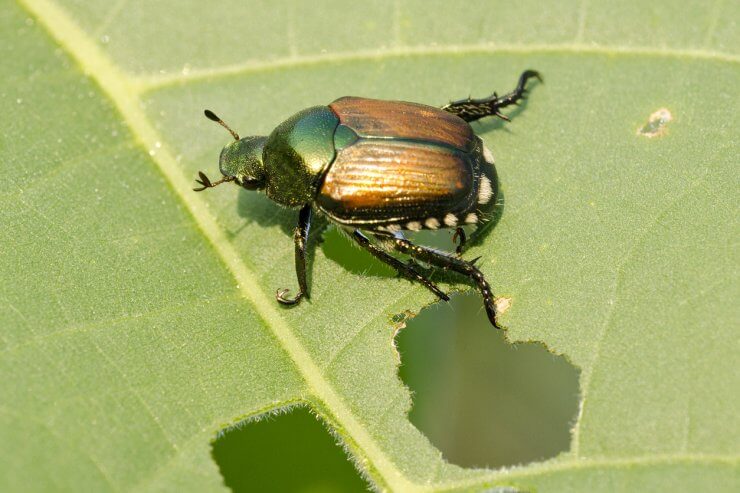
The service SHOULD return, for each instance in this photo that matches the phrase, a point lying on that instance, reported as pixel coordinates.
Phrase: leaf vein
(147, 83)
(614, 300)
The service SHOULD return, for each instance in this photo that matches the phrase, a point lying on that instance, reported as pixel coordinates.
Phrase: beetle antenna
(205, 182)
(212, 116)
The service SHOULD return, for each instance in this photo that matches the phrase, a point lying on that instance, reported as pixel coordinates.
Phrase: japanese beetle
(381, 167)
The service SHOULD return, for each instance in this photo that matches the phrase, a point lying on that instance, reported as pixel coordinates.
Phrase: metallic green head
(242, 161)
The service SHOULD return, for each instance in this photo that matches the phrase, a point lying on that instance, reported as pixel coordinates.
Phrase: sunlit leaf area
(141, 346)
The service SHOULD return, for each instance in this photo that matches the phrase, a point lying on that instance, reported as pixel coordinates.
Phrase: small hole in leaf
(483, 401)
(290, 452)
(656, 124)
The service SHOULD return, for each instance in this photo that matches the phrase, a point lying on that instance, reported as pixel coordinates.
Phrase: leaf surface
(138, 316)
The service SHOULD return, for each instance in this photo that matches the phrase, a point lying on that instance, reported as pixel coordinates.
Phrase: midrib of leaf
(125, 94)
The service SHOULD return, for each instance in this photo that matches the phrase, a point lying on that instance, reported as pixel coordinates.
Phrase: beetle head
(240, 161)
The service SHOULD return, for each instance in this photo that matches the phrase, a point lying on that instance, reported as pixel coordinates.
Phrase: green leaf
(138, 317)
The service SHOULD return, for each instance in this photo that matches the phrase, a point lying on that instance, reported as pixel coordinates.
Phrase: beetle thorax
(297, 154)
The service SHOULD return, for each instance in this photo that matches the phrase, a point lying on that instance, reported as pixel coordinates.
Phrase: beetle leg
(300, 236)
(405, 269)
(474, 109)
(459, 233)
(446, 261)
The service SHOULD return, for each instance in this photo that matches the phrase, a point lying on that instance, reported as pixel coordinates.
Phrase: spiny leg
(300, 236)
(406, 270)
(474, 109)
(441, 259)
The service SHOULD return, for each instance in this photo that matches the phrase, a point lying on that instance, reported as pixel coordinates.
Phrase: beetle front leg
(453, 263)
(300, 236)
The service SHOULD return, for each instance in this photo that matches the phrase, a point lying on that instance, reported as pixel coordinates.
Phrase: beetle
(381, 167)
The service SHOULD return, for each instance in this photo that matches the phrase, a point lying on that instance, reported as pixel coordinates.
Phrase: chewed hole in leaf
(288, 452)
(483, 401)
(656, 124)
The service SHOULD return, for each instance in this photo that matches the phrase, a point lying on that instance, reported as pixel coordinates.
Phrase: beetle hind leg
(407, 270)
(474, 109)
(445, 261)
